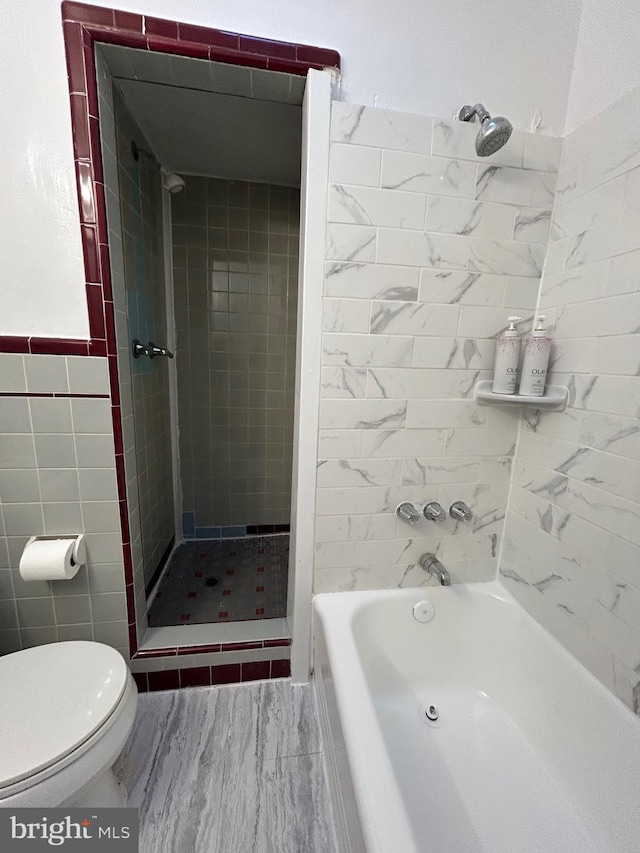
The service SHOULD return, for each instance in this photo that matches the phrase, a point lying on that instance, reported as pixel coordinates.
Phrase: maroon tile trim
(97, 347)
(255, 670)
(51, 346)
(180, 48)
(127, 21)
(212, 676)
(11, 343)
(245, 646)
(197, 676)
(80, 127)
(250, 60)
(199, 650)
(75, 58)
(226, 673)
(86, 193)
(160, 27)
(140, 679)
(213, 648)
(281, 668)
(318, 56)
(165, 679)
(204, 35)
(266, 47)
(53, 394)
(126, 29)
(276, 644)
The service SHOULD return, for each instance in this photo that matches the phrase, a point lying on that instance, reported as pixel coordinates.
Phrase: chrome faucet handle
(407, 512)
(460, 511)
(434, 512)
(138, 349)
(153, 351)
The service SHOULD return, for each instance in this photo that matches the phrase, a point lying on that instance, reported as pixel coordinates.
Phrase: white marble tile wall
(572, 547)
(429, 248)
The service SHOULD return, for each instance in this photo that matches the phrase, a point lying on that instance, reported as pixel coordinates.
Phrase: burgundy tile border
(165, 679)
(141, 681)
(45, 346)
(213, 648)
(152, 33)
(53, 394)
(83, 25)
(212, 676)
(197, 676)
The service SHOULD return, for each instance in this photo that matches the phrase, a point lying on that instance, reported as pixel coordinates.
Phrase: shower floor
(223, 580)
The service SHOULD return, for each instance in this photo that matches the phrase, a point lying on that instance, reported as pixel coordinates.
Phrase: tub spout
(431, 564)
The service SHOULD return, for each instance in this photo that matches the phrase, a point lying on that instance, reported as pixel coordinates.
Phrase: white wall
(607, 59)
(41, 269)
(424, 57)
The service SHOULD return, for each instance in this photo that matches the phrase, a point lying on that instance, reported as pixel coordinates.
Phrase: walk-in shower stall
(202, 183)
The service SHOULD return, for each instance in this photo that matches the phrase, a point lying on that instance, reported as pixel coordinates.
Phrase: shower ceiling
(208, 118)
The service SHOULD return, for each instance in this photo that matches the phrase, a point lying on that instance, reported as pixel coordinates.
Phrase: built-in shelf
(555, 397)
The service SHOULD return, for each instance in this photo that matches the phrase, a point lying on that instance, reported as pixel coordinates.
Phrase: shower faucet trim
(407, 512)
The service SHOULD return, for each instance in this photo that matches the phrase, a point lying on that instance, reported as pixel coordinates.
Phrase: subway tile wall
(429, 248)
(57, 476)
(572, 548)
(235, 284)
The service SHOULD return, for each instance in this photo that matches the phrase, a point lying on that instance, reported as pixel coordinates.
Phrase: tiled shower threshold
(226, 634)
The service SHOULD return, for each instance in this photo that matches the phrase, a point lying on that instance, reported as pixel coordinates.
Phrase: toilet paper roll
(48, 560)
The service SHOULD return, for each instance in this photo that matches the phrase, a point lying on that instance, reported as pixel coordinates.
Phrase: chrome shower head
(493, 133)
(172, 182)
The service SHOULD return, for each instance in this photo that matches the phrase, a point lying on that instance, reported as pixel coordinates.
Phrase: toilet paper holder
(77, 559)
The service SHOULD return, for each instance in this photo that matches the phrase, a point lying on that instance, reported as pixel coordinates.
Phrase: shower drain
(212, 581)
(432, 713)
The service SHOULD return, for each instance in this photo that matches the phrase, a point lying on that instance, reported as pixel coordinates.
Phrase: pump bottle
(507, 357)
(536, 360)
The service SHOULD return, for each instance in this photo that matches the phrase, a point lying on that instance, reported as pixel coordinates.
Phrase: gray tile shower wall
(143, 389)
(572, 547)
(429, 248)
(57, 476)
(235, 283)
(140, 191)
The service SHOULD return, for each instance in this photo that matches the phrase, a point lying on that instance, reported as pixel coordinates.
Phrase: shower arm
(468, 112)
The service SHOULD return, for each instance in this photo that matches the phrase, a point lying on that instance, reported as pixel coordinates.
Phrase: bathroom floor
(233, 769)
(223, 580)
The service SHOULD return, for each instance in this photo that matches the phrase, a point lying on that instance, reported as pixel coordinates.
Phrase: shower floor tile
(223, 580)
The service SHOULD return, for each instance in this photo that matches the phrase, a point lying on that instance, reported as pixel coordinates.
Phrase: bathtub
(526, 752)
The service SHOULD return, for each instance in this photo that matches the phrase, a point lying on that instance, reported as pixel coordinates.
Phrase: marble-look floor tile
(290, 722)
(228, 770)
(175, 761)
(296, 807)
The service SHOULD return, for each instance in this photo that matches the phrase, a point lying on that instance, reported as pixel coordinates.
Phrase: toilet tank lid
(52, 698)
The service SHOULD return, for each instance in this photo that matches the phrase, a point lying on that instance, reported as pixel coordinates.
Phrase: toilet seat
(54, 703)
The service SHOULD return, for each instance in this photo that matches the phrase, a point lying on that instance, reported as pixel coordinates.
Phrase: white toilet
(66, 711)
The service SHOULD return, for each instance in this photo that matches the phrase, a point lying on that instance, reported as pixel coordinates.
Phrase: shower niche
(202, 184)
